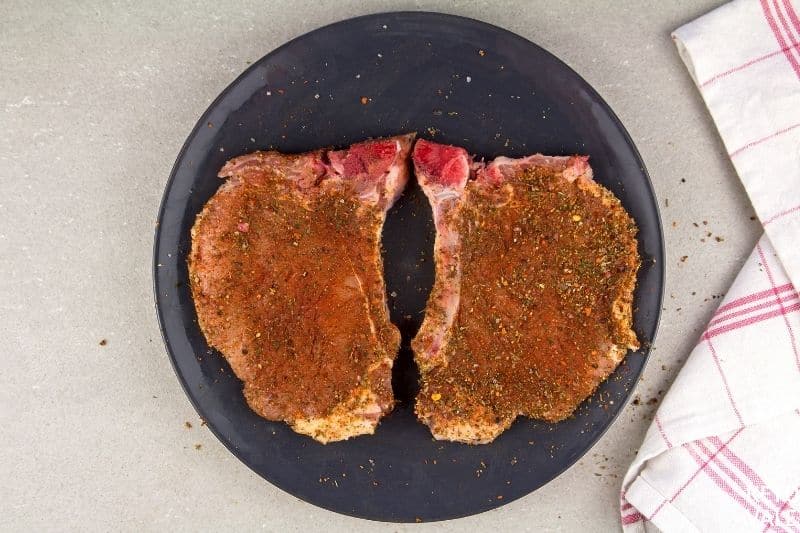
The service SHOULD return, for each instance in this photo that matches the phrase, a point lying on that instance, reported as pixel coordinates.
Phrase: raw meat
(287, 279)
(532, 304)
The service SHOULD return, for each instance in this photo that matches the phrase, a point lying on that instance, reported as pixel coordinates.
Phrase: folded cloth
(722, 451)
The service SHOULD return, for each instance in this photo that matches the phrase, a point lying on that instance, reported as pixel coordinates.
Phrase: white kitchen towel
(723, 452)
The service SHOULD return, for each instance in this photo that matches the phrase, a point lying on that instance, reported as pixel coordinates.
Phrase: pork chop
(531, 307)
(287, 279)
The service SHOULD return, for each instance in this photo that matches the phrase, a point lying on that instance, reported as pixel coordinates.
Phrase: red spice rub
(287, 280)
(548, 261)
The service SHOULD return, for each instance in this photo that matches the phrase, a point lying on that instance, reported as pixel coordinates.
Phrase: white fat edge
(468, 433)
(539, 160)
(442, 195)
(447, 243)
(358, 415)
(394, 182)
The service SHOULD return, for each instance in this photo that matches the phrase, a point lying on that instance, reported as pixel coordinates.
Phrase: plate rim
(660, 267)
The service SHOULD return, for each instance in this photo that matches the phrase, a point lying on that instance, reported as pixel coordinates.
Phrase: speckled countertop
(98, 97)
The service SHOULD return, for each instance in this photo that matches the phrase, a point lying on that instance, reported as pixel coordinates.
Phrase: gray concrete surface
(97, 99)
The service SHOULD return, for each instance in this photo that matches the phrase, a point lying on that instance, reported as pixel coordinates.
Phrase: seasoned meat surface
(287, 279)
(532, 304)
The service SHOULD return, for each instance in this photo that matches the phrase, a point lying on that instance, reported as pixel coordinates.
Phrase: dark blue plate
(454, 80)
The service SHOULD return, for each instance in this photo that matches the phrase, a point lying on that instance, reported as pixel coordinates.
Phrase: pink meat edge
(443, 172)
(378, 168)
(441, 165)
(571, 167)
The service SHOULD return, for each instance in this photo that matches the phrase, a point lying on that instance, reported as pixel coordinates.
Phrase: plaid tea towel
(723, 451)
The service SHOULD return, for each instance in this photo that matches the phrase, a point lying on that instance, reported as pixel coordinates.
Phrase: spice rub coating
(546, 268)
(287, 279)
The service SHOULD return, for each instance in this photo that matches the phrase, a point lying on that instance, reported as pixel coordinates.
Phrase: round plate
(453, 80)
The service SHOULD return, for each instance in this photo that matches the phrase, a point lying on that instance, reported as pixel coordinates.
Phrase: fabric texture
(723, 451)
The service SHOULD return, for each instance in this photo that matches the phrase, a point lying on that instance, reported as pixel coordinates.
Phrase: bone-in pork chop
(287, 279)
(531, 307)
